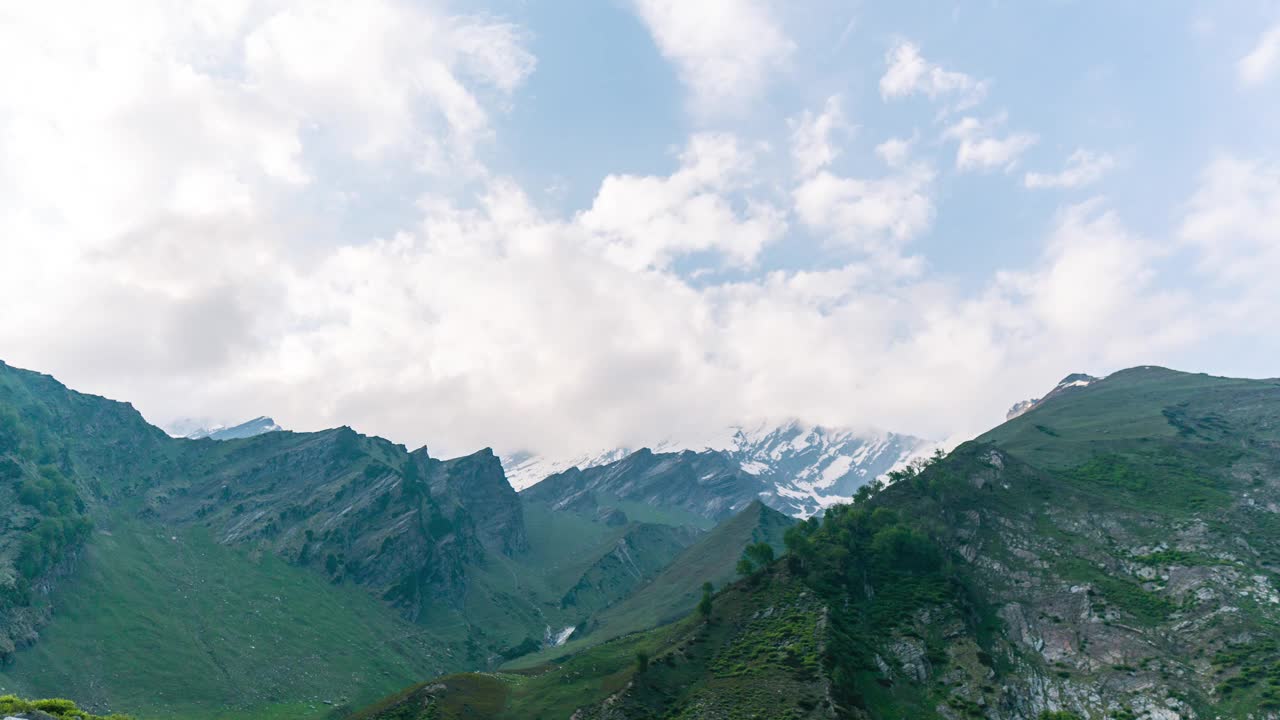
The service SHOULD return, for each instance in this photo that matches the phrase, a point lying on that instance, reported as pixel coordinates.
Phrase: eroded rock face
(475, 486)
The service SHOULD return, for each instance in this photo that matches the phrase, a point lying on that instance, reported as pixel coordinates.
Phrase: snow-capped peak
(802, 468)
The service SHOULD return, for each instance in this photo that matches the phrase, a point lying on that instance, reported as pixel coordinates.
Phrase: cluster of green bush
(879, 566)
(61, 709)
(62, 523)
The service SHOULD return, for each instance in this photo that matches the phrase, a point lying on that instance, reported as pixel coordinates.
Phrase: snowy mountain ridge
(802, 468)
(195, 429)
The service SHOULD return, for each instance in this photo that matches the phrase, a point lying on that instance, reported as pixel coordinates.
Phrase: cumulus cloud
(909, 73)
(980, 146)
(1084, 167)
(647, 221)
(377, 84)
(812, 144)
(725, 51)
(1260, 63)
(895, 151)
(875, 216)
(1232, 221)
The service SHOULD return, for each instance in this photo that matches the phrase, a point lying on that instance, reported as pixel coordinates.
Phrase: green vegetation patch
(57, 707)
(170, 624)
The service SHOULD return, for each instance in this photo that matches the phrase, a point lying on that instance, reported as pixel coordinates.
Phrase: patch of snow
(837, 469)
(560, 637)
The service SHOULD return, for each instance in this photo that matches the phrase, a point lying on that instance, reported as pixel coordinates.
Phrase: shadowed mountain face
(1112, 553)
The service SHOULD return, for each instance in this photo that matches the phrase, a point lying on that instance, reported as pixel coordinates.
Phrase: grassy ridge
(170, 624)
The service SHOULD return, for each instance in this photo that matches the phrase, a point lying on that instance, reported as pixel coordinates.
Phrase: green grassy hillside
(170, 624)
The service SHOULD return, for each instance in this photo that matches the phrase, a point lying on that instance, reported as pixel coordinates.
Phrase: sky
(572, 225)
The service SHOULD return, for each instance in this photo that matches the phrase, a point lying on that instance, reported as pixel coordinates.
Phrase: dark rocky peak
(476, 486)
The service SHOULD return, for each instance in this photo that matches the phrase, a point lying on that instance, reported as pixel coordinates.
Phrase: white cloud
(647, 221)
(981, 149)
(1230, 227)
(1084, 167)
(876, 216)
(812, 147)
(1233, 221)
(1257, 67)
(895, 151)
(725, 51)
(908, 73)
(383, 86)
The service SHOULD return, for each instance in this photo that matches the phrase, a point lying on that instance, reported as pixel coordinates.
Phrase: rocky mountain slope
(1113, 553)
(799, 468)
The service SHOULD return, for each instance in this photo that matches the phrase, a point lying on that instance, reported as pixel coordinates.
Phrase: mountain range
(1111, 553)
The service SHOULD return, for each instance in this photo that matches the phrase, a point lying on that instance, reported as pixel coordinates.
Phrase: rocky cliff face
(476, 489)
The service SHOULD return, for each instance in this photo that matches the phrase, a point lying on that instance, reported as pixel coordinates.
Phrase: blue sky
(569, 225)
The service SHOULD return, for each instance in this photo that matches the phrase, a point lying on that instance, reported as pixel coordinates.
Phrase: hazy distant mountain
(793, 467)
(525, 469)
(195, 429)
